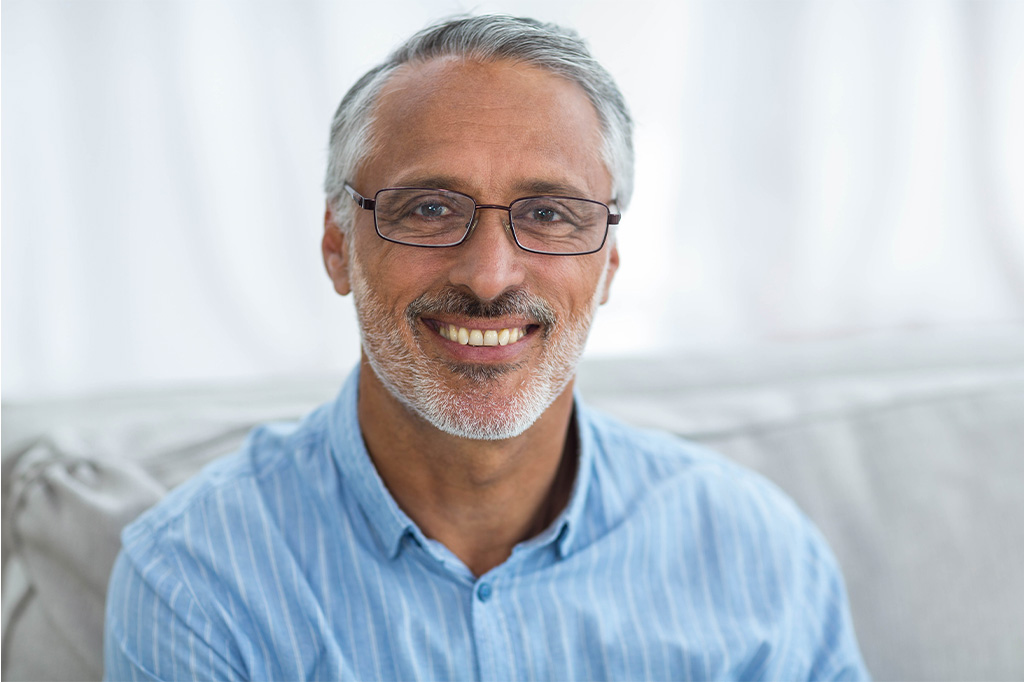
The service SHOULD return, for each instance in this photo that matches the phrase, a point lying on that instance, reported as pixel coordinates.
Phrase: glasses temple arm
(362, 201)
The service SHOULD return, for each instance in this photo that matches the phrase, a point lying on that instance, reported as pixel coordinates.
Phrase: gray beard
(482, 413)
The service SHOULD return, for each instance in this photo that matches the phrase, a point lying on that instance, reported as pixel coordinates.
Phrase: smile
(481, 337)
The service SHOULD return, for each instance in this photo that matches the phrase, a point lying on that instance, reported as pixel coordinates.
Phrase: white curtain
(805, 169)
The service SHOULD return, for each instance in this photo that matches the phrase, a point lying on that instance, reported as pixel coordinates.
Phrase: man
(457, 512)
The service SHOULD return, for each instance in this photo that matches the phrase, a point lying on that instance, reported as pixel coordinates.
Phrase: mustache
(456, 302)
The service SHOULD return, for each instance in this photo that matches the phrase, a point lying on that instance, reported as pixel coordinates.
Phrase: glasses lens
(559, 224)
(425, 217)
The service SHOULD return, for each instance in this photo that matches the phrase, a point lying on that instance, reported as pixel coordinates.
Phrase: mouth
(471, 336)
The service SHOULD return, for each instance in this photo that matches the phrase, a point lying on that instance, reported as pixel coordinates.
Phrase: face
(481, 338)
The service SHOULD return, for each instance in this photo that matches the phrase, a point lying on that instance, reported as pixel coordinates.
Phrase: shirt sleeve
(156, 629)
(831, 636)
(803, 581)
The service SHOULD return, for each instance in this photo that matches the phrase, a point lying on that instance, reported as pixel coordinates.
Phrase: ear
(611, 269)
(335, 246)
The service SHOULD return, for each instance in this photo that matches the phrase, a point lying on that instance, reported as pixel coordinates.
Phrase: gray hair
(485, 38)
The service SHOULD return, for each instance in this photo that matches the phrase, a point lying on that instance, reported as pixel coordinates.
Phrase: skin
(495, 131)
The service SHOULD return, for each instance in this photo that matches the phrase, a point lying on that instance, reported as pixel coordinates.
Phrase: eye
(431, 209)
(545, 214)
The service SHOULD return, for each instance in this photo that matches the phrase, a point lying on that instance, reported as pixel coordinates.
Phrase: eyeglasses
(437, 218)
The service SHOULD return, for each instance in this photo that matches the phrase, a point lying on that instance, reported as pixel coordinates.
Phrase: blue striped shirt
(290, 560)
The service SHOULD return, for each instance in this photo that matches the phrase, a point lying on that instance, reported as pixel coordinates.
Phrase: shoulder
(207, 535)
(709, 506)
(270, 453)
(731, 531)
(642, 464)
(197, 569)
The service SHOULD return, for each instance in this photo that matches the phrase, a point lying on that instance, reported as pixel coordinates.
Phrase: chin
(486, 410)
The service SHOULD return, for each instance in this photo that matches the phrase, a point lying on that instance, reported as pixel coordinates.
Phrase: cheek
(396, 275)
(574, 283)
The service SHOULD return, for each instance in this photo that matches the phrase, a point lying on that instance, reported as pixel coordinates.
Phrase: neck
(479, 498)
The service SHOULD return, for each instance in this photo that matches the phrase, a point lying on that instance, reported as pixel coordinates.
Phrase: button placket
(487, 631)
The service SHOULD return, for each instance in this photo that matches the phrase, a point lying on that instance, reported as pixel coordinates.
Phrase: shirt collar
(390, 524)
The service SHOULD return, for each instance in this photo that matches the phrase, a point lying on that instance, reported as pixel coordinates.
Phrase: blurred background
(805, 170)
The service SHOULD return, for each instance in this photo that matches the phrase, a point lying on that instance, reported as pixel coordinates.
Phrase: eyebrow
(525, 188)
(429, 181)
(545, 187)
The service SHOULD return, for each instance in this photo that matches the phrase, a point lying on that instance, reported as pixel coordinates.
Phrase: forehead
(486, 126)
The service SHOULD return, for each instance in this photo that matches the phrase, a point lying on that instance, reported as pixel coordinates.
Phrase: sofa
(907, 450)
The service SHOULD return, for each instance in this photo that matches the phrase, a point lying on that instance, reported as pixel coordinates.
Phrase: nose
(488, 263)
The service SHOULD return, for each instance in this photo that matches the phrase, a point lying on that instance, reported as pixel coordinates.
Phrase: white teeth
(481, 337)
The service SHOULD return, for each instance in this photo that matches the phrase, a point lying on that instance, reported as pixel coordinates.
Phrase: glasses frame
(371, 205)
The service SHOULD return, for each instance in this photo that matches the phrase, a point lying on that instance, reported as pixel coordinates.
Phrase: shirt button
(483, 592)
